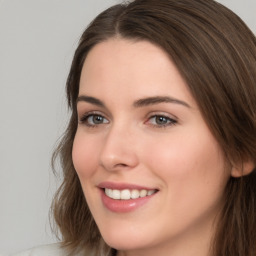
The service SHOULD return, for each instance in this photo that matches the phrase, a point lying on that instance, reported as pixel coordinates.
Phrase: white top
(45, 250)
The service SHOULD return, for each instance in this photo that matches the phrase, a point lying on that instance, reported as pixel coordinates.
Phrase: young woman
(159, 155)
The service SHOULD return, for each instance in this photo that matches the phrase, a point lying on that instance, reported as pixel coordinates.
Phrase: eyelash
(84, 119)
(168, 121)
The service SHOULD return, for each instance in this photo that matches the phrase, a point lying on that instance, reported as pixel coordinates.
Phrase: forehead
(135, 68)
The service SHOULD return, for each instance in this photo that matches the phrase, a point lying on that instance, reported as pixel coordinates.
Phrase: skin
(178, 156)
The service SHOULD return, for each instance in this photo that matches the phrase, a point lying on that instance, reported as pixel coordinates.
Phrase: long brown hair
(215, 53)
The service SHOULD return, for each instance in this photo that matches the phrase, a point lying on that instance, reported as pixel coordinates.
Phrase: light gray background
(37, 42)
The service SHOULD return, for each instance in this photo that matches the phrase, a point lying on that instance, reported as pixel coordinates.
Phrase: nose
(119, 150)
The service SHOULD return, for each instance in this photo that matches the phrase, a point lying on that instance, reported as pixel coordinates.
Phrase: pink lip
(123, 206)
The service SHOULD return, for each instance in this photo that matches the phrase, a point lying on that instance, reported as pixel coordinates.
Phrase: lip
(123, 206)
(121, 186)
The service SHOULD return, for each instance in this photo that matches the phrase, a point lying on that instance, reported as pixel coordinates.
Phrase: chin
(124, 241)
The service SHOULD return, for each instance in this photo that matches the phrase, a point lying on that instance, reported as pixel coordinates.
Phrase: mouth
(127, 194)
(123, 198)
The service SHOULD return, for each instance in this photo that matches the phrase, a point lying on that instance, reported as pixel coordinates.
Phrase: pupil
(161, 120)
(97, 119)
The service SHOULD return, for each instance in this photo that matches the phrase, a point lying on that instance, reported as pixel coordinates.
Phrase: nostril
(121, 165)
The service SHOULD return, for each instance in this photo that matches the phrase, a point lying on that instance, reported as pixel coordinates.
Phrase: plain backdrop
(37, 42)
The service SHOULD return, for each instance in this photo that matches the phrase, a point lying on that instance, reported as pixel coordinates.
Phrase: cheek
(194, 177)
(188, 161)
(84, 155)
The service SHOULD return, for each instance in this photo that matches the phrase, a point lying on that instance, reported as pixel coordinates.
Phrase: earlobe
(242, 169)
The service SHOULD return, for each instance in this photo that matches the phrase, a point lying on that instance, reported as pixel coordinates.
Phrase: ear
(242, 169)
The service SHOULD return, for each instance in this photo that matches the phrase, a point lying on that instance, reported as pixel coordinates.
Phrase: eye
(93, 120)
(161, 121)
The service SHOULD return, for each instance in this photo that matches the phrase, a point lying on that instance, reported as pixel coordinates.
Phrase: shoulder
(45, 250)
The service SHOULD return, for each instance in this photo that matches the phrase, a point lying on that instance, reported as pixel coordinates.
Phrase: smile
(127, 194)
(124, 197)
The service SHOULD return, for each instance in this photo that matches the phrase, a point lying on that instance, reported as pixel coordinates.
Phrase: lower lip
(122, 206)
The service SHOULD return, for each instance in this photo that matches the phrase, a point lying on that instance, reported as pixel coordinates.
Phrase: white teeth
(135, 194)
(109, 192)
(127, 194)
(143, 193)
(116, 194)
(150, 192)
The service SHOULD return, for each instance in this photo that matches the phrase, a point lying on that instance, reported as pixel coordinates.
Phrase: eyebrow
(157, 100)
(138, 103)
(91, 100)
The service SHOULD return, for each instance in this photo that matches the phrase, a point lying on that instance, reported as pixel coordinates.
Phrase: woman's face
(152, 173)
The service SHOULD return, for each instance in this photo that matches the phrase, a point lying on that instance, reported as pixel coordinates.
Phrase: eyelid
(84, 117)
(172, 119)
(84, 107)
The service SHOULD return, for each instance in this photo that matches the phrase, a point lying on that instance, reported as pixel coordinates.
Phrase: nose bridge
(119, 150)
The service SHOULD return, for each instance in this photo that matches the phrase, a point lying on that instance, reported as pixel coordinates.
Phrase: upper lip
(121, 186)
